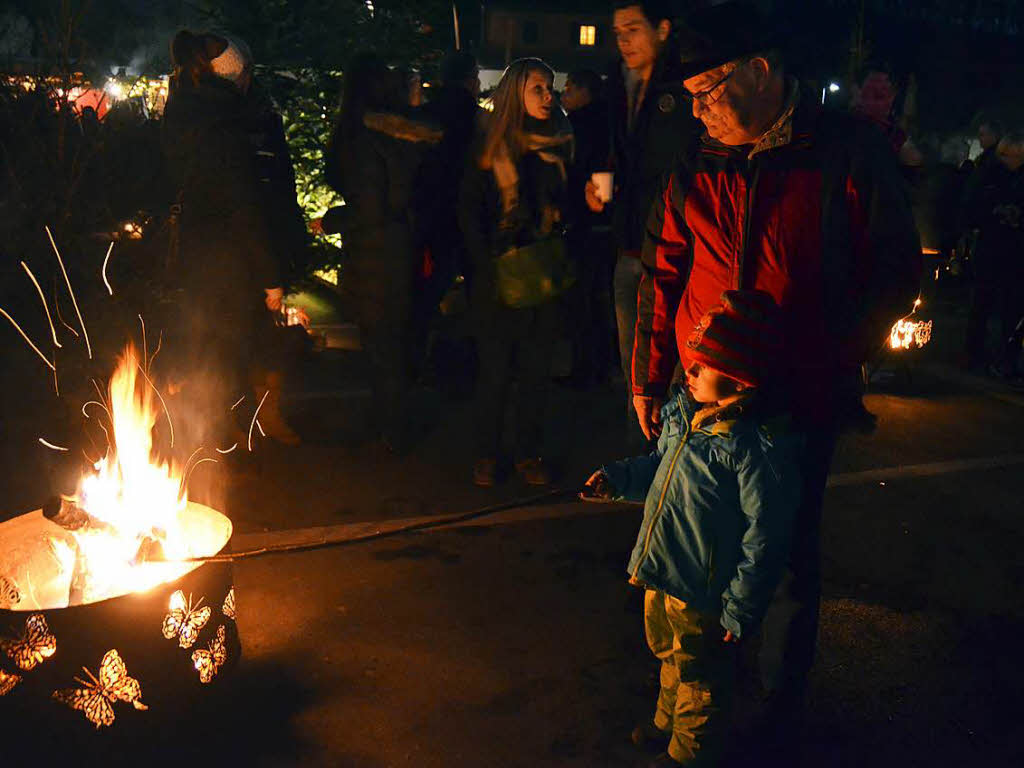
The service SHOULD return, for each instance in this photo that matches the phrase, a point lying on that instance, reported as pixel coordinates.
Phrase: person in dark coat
(226, 260)
(590, 239)
(287, 229)
(513, 195)
(374, 161)
(979, 200)
(1002, 242)
(454, 107)
(651, 125)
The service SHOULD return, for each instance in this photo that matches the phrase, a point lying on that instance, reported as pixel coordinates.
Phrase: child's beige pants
(697, 678)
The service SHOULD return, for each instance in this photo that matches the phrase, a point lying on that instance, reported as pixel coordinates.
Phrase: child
(721, 490)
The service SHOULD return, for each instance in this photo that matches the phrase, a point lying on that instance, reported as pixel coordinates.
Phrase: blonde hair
(505, 127)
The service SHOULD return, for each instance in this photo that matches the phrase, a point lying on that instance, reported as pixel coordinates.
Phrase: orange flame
(134, 495)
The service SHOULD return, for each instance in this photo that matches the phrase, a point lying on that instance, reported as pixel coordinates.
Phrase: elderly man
(802, 203)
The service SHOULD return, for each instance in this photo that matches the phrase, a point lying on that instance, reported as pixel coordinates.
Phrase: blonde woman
(513, 195)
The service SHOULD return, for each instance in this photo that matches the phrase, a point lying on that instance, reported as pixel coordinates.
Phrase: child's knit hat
(741, 337)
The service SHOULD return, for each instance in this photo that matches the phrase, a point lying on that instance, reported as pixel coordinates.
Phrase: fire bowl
(126, 665)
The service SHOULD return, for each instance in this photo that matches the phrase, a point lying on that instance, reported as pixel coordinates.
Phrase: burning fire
(133, 506)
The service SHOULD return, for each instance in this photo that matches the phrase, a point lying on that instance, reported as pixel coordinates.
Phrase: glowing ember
(906, 334)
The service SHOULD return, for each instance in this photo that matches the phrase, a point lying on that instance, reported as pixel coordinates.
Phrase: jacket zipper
(751, 191)
(664, 490)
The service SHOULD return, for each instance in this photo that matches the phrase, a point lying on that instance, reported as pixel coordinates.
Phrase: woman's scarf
(552, 141)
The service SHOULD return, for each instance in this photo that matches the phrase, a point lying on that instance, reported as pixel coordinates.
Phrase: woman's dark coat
(226, 254)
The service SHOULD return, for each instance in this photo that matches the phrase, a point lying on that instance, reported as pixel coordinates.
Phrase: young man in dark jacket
(719, 494)
(808, 206)
(650, 126)
(589, 233)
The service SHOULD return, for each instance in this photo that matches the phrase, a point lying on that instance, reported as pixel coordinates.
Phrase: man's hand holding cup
(599, 189)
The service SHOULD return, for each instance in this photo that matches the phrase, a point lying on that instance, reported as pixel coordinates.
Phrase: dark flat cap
(714, 35)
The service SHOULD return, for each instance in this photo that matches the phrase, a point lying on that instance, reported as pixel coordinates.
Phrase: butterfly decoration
(7, 682)
(34, 646)
(185, 621)
(209, 660)
(228, 609)
(96, 697)
(9, 594)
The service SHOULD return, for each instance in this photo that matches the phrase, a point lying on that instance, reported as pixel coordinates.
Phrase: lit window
(588, 34)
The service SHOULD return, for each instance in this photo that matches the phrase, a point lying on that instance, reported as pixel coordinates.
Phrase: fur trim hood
(403, 127)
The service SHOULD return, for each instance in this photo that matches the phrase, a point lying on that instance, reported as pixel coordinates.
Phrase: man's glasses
(704, 97)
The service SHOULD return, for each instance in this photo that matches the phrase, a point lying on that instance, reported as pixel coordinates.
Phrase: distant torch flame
(907, 334)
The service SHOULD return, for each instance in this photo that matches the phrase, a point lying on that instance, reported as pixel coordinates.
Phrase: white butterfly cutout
(228, 609)
(35, 645)
(10, 596)
(185, 621)
(7, 682)
(208, 661)
(96, 697)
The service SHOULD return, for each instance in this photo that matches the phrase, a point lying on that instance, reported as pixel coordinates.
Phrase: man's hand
(597, 488)
(648, 412)
(594, 203)
(730, 637)
(316, 226)
(274, 297)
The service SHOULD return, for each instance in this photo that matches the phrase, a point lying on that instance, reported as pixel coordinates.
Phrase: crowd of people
(697, 214)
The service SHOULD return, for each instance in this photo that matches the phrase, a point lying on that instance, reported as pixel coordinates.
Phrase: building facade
(567, 35)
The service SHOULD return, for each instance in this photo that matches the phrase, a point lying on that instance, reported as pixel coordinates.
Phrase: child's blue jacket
(721, 492)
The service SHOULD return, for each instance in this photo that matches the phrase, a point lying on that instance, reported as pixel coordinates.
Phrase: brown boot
(270, 418)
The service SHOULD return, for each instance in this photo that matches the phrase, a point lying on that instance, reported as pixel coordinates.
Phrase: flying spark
(159, 343)
(185, 482)
(104, 271)
(227, 450)
(51, 445)
(42, 298)
(238, 403)
(166, 412)
(74, 301)
(145, 351)
(56, 307)
(93, 402)
(260, 428)
(26, 338)
(254, 418)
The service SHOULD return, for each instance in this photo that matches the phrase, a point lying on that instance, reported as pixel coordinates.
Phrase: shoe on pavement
(664, 760)
(648, 737)
(534, 471)
(485, 472)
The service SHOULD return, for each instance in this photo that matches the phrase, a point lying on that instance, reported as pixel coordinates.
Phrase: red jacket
(821, 221)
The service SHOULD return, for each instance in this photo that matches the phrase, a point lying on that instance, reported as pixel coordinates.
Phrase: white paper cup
(603, 181)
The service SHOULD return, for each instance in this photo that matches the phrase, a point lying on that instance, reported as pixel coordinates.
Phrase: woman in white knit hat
(226, 256)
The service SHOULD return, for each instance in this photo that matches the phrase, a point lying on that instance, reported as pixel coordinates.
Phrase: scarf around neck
(551, 140)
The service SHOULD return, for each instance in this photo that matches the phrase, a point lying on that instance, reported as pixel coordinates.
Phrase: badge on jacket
(667, 102)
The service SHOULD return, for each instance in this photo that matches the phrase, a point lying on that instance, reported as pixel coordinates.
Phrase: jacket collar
(720, 418)
(781, 132)
(786, 128)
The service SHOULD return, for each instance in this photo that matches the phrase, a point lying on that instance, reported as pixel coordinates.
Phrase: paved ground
(517, 642)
